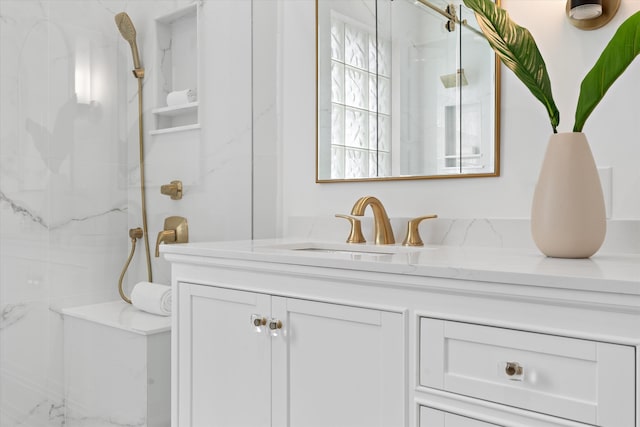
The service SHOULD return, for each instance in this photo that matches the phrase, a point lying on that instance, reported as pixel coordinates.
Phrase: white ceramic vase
(568, 218)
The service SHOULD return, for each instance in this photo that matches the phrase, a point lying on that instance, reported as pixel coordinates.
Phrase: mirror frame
(496, 124)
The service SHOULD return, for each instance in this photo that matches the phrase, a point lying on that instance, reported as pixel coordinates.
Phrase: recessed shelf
(174, 129)
(177, 52)
(176, 110)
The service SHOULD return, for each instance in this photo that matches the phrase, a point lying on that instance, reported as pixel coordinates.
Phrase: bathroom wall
(69, 178)
(613, 130)
(63, 192)
(213, 162)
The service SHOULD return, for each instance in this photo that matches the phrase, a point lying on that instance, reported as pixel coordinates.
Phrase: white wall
(613, 129)
(214, 162)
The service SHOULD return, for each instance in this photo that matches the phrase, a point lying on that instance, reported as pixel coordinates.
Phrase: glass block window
(360, 102)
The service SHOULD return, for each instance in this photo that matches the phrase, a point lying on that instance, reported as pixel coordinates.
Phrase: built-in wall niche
(177, 98)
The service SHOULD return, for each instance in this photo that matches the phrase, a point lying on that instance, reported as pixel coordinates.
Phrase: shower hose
(138, 233)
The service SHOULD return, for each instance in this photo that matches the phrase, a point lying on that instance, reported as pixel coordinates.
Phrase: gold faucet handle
(413, 234)
(176, 230)
(355, 236)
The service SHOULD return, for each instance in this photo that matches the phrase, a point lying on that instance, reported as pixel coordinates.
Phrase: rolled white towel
(181, 97)
(152, 298)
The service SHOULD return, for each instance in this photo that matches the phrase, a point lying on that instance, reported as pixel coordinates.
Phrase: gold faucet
(382, 226)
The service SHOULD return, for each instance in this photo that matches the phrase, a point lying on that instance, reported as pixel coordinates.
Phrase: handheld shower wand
(128, 31)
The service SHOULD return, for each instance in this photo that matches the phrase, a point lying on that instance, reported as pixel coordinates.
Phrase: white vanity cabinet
(431, 338)
(321, 364)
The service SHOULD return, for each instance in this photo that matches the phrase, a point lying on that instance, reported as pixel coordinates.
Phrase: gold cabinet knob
(413, 234)
(275, 324)
(258, 322)
(275, 327)
(514, 371)
(355, 235)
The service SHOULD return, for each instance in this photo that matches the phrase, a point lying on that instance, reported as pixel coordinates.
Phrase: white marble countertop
(617, 273)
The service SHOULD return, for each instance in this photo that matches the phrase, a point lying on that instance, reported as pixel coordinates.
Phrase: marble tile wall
(63, 193)
(69, 177)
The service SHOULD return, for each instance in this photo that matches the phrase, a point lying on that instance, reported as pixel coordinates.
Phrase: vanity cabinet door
(337, 365)
(224, 364)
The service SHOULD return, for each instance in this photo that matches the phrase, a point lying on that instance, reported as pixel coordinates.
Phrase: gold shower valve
(176, 230)
(174, 189)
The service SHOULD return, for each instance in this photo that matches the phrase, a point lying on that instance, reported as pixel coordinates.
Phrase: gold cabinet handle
(514, 370)
(413, 234)
(355, 236)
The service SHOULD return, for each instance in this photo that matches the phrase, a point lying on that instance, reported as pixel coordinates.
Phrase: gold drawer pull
(514, 371)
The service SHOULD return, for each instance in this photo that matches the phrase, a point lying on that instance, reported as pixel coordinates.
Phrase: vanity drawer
(581, 380)
(430, 417)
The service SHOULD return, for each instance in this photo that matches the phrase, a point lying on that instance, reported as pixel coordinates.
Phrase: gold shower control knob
(174, 189)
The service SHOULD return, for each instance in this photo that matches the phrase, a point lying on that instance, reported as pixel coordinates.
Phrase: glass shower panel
(425, 56)
(65, 138)
(477, 98)
(382, 139)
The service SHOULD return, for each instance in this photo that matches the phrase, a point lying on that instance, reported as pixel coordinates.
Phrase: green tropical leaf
(518, 51)
(615, 58)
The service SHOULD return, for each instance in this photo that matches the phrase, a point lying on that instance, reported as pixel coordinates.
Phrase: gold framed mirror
(406, 89)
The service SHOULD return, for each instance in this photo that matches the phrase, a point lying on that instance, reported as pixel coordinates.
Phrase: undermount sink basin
(348, 248)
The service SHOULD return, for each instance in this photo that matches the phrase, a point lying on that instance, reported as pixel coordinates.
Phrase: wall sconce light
(83, 71)
(591, 14)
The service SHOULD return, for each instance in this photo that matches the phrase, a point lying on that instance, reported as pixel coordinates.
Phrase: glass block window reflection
(360, 102)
